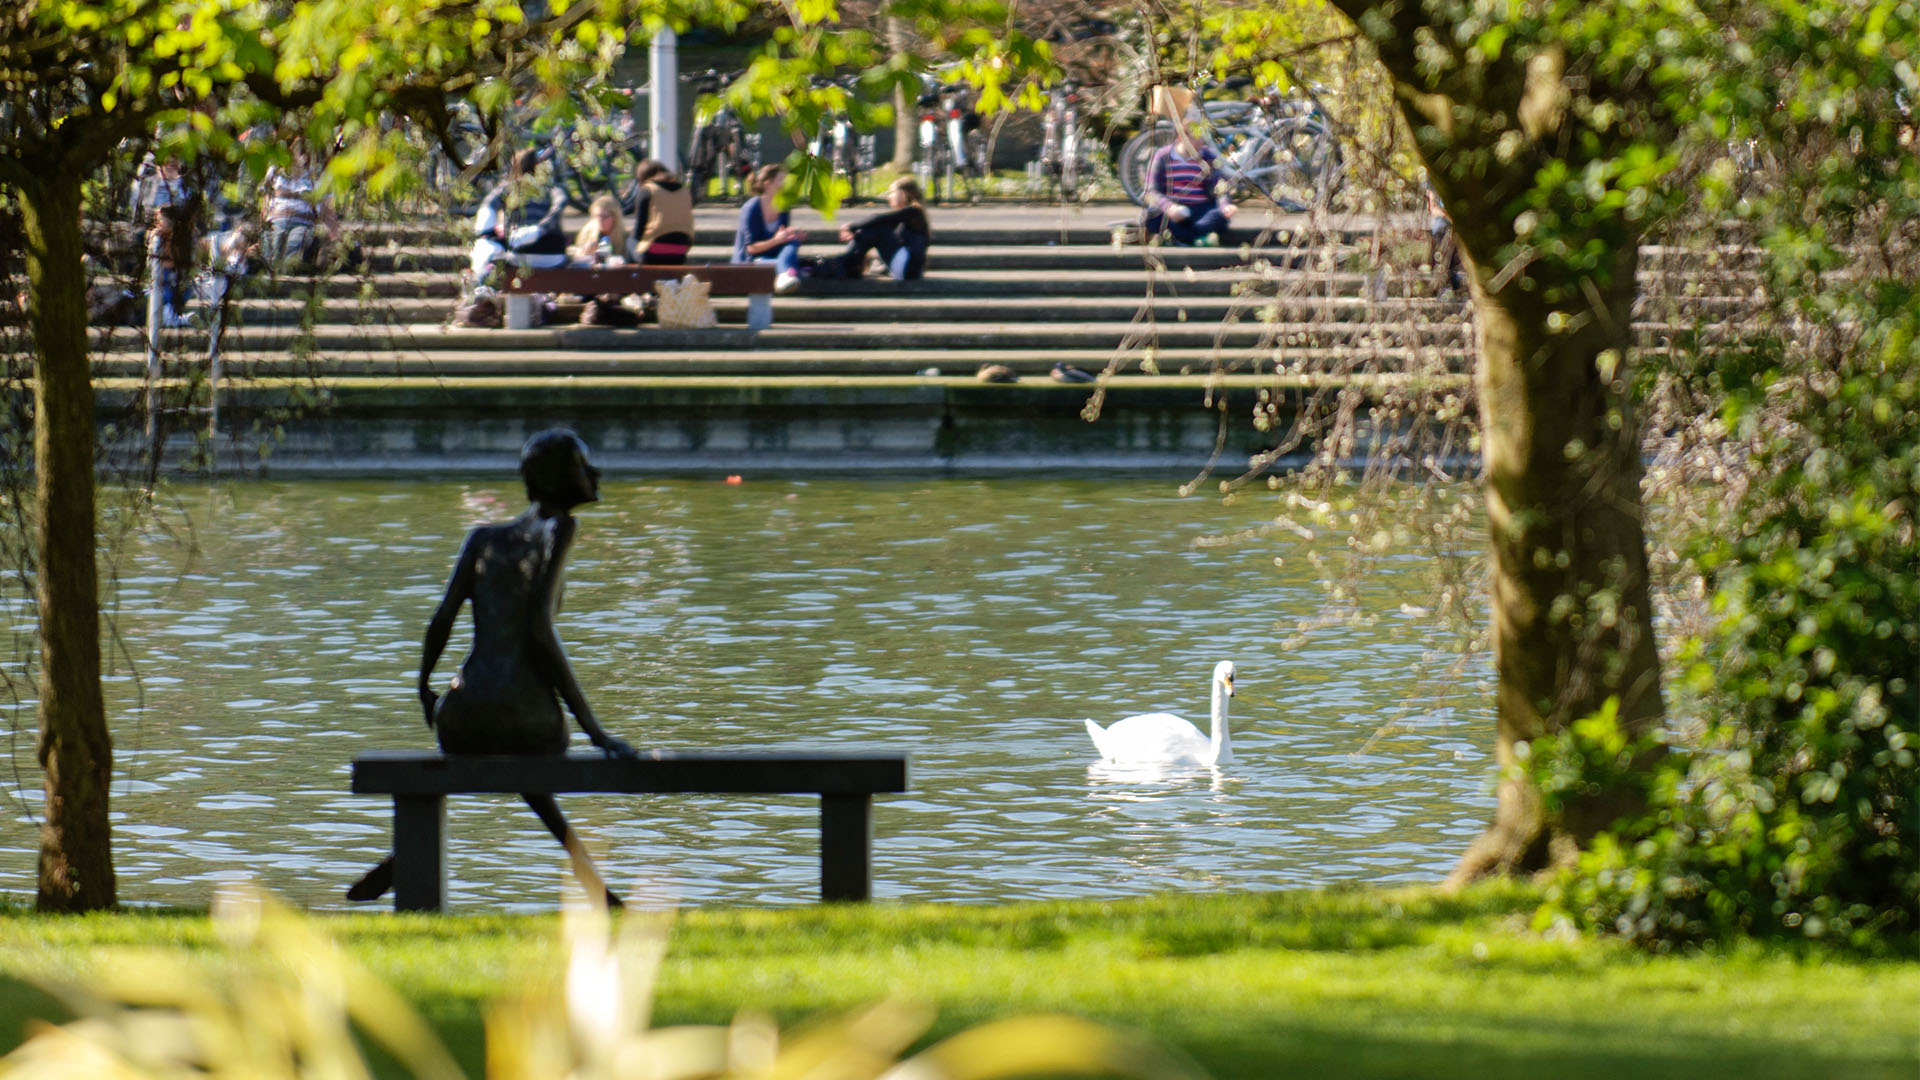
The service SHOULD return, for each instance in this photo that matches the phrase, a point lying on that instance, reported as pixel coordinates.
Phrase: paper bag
(684, 304)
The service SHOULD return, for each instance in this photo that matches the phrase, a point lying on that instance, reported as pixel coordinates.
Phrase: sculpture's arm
(547, 653)
(440, 627)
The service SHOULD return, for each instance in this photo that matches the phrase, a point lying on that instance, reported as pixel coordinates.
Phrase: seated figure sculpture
(506, 697)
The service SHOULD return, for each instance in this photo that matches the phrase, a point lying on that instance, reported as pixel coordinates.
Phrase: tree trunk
(1572, 617)
(906, 122)
(76, 850)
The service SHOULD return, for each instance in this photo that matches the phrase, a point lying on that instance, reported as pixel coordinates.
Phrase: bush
(1796, 812)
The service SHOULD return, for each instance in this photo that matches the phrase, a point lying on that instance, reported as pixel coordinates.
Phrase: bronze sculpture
(503, 698)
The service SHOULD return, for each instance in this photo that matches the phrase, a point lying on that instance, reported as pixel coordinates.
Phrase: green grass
(1326, 984)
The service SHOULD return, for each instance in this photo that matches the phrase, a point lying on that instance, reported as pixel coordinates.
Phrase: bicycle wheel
(977, 169)
(699, 162)
(923, 162)
(1136, 160)
(846, 153)
(1299, 164)
(1318, 153)
(1071, 150)
(573, 172)
(724, 165)
(942, 171)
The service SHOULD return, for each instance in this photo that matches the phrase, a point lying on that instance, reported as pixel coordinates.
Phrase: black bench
(420, 781)
(751, 280)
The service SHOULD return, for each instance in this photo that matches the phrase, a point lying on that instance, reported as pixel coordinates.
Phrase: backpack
(481, 312)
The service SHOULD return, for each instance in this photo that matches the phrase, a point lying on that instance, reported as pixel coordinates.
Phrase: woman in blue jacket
(766, 232)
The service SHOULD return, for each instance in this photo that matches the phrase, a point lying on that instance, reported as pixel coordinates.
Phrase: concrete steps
(1014, 338)
(868, 373)
(1165, 300)
(1106, 256)
(577, 363)
(914, 305)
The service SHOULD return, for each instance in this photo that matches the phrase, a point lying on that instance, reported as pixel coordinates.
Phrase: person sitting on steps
(519, 221)
(176, 207)
(602, 241)
(766, 232)
(900, 236)
(298, 219)
(506, 697)
(663, 216)
(1180, 186)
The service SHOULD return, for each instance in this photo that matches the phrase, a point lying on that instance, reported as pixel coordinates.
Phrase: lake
(971, 623)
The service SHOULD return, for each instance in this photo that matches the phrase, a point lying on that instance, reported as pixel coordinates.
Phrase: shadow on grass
(24, 1005)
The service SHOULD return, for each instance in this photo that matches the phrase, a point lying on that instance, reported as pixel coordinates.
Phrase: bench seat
(751, 280)
(420, 780)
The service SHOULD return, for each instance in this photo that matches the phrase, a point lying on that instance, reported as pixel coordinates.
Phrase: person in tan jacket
(662, 216)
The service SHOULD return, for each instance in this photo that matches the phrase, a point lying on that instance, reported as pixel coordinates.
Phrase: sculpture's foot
(377, 883)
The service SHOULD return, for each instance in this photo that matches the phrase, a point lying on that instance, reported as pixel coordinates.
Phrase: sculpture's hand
(614, 747)
(428, 699)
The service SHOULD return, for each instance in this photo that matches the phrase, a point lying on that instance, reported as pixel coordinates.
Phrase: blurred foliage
(1792, 454)
(286, 1003)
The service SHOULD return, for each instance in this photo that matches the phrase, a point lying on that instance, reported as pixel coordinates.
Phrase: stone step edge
(1112, 384)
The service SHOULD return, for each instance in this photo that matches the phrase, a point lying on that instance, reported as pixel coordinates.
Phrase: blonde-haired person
(604, 237)
(900, 237)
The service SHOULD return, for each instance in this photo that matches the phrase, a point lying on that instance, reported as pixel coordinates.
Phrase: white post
(664, 61)
(154, 304)
(215, 371)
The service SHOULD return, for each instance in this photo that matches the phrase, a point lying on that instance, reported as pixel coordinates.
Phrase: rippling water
(972, 624)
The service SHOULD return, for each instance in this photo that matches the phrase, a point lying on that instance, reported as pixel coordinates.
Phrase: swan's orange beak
(1229, 681)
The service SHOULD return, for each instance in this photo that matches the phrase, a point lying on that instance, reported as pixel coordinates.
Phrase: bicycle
(935, 160)
(472, 165)
(951, 142)
(1279, 148)
(846, 152)
(1065, 147)
(720, 148)
(598, 155)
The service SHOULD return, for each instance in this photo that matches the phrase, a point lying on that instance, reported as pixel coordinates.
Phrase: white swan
(1164, 737)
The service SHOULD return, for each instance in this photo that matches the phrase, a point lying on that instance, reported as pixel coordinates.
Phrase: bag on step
(685, 304)
(481, 312)
(606, 311)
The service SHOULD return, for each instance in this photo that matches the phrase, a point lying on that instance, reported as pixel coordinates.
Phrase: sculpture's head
(556, 470)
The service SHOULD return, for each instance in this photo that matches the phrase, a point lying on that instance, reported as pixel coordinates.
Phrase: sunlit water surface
(971, 624)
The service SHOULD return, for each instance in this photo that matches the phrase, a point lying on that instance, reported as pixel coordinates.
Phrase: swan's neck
(1222, 743)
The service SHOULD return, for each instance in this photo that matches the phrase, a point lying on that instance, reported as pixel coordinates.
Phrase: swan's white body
(1165, 738)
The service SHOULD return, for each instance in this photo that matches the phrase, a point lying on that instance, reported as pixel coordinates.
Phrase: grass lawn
(1314, 984)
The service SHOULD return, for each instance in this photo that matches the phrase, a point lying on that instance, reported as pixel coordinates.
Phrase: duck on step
(1163, 738)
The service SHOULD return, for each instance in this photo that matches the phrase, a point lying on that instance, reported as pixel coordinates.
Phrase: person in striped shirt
(1180, 195)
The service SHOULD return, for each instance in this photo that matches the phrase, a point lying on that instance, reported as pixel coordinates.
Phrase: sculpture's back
(501, 701)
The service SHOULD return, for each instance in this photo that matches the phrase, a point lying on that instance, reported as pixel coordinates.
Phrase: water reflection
(1137, 781)
(972, 624)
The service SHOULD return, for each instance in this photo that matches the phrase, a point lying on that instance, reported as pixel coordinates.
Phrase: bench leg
(846, 847)
(759, 310)
(519, 311)
(419, 853)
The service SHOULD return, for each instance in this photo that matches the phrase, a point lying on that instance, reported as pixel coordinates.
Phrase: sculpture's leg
(375, 884)
(583, 868)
